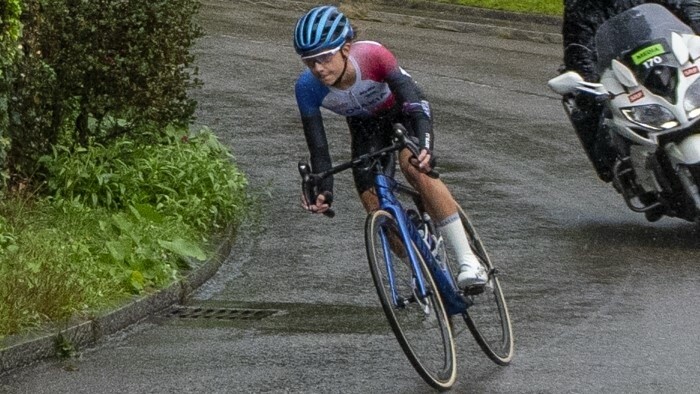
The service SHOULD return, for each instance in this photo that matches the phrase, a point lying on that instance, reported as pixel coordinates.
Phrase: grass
(49, 271)
(114, 222)
(546, 7)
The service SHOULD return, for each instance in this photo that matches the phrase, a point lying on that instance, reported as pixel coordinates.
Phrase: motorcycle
(649, 63)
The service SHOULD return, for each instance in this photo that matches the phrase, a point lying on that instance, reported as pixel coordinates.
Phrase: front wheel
(419, 322)
(487, 314)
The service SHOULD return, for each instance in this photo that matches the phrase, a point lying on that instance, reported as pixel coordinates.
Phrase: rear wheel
(419, 323)
(487, 315)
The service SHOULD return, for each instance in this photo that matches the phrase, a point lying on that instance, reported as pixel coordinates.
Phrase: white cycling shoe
(471, 276)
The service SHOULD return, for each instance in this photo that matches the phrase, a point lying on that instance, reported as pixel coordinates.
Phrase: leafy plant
(120, 220)
(189, 175)
(144, 244)
(9, 35)
(86, 63)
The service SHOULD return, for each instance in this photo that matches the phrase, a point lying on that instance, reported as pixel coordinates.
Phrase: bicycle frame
(393, 217)
(385, 186)
(454, 303)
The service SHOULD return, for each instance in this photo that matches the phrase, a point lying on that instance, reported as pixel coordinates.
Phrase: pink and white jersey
(369, 94)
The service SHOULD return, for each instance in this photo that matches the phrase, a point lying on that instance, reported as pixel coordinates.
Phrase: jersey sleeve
(309, 95)
(409, 96)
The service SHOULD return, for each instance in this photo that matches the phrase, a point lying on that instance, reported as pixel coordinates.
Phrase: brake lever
(307, 186)
(402, 134)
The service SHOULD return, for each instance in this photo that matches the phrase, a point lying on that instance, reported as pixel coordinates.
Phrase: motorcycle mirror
(679, 48)
(565, 83)
(693, 45)
(624, 74)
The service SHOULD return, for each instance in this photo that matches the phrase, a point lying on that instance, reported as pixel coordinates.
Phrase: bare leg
(442, 207)
(369, 200)
(437, 198)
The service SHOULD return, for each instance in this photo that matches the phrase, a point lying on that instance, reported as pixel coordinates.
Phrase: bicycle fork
(418, 287)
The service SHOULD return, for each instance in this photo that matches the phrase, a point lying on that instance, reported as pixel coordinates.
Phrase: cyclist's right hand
(424, 161)
(321, 205)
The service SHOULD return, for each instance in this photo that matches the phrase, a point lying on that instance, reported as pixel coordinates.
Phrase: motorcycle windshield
(640, 38)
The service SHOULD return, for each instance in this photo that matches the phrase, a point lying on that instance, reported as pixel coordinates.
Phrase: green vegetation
(546, 7)
(9, 35)
(92, 71)
(115, 221)
(105, 192)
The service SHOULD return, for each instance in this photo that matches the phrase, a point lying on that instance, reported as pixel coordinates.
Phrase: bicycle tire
(431, 353)
(487, 315)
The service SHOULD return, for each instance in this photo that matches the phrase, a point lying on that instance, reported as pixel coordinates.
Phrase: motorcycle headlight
(691, 103)
(653, 116)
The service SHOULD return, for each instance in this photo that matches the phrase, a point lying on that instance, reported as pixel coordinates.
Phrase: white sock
(451, 228)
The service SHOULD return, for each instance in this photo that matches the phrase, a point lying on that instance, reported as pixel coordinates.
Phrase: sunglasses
(321, 58)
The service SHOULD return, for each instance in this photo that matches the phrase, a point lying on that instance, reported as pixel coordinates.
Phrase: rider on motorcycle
(581, 21)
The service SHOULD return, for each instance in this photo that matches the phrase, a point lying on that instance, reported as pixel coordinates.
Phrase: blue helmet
(321, 29)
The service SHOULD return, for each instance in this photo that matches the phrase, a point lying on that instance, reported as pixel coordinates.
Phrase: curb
(21, 350)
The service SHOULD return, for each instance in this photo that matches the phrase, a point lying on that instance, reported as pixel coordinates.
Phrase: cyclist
(581, 21)
(362, 81)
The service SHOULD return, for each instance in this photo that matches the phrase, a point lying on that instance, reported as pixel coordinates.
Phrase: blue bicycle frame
(385, 186)
(455, 304)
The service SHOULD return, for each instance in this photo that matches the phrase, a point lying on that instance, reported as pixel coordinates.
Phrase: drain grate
(188, 312)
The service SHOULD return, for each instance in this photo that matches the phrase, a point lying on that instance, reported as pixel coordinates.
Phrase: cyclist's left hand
(424, 161)
(321, 205)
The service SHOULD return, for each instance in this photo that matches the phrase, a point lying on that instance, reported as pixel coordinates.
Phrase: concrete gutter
(21, 350)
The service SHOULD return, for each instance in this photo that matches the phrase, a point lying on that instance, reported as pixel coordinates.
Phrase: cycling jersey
(380, 88)
(369, 94)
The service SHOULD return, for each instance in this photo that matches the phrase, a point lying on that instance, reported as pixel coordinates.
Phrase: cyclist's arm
(413, 104)
(384, 67)
(314, 132)
(318, 149)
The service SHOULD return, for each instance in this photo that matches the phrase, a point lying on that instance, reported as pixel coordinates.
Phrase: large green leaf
(183, 248)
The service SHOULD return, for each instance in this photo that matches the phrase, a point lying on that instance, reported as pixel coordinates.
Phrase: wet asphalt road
(601, 300)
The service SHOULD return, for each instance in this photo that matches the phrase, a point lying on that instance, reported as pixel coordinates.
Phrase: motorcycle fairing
(646, 60)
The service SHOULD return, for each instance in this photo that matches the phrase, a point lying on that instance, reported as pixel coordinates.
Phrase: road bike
(414, 272)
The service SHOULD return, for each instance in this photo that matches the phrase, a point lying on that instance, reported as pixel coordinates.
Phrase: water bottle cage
(427, 237)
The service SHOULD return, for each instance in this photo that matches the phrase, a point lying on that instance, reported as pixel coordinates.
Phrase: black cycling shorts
(369, 134)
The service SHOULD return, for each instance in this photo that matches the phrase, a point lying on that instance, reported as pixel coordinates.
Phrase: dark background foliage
(93, 70)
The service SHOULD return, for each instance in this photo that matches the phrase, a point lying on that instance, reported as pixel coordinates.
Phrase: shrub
(190, 176)
(86, 64)
(119, 219)
(9, 35)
